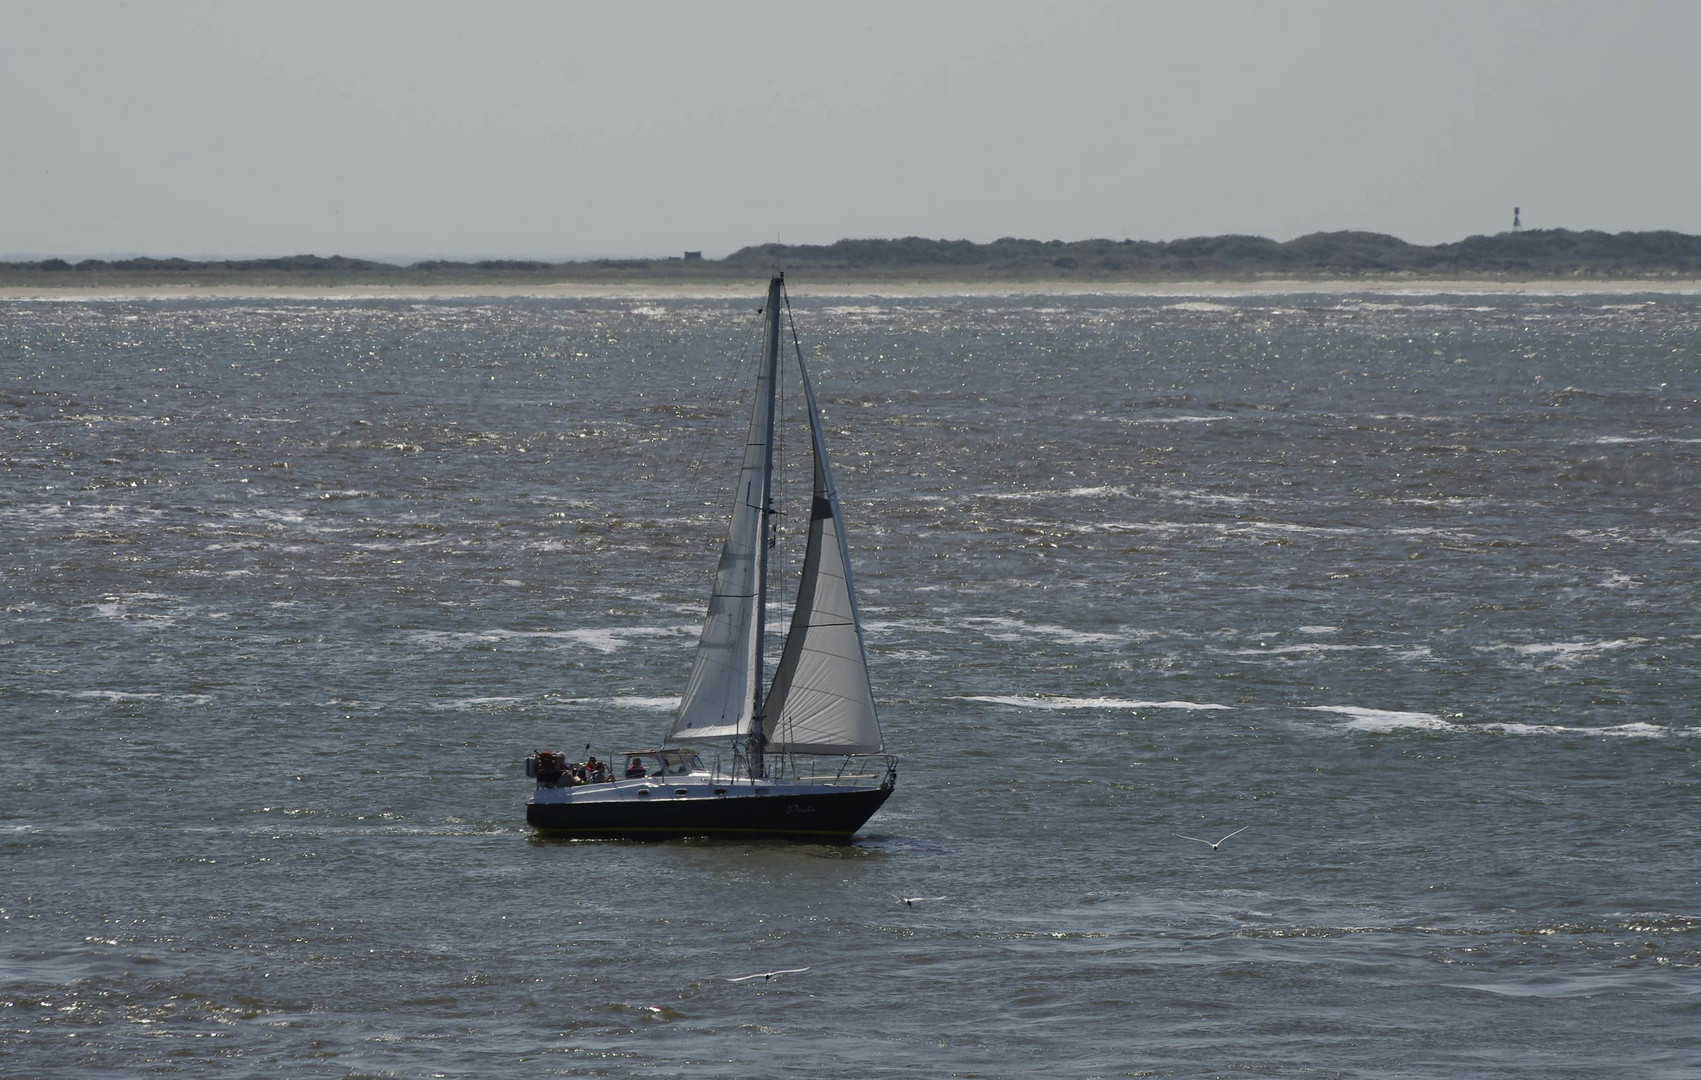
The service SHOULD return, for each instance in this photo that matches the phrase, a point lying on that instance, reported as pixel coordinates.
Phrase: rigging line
(797, 349)
(782, 473)
(711, 387)
(791, 320)
(789, 465)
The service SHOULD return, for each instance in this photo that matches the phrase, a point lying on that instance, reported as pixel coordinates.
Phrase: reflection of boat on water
(801, 757)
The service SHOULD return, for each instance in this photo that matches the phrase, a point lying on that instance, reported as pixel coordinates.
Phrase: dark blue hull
(829, 817)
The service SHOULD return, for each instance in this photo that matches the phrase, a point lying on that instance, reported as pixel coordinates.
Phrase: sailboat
(800, 756)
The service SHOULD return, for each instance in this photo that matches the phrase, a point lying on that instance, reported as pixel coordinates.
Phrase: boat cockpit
(678, 761)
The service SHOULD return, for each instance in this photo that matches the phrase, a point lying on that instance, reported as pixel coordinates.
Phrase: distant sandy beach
(801, 287)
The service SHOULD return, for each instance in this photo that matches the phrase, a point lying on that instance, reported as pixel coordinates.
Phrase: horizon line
(409, 260)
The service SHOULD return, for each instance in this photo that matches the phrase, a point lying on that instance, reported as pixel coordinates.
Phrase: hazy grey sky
(529, 128)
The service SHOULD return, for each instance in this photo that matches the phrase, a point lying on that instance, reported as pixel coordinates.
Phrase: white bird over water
(1212, 846)
(765, 975)
(912, 901)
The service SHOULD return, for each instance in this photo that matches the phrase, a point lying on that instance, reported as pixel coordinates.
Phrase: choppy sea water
(1404, 586)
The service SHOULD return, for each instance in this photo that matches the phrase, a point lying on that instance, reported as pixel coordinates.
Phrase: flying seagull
(1212, 846)
(766, 975)
(912, 901)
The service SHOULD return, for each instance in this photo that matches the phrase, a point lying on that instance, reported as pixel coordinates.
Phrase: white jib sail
(720, 696)
(821, 701)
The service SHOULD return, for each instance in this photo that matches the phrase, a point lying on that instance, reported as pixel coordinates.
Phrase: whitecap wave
(117, 696)
(1098, 492)
(1102, 491)
(1567, 652)
(1183, 418)
(458, 704)
(1007, 629)
(602, 639)
(1623, 731)
(1024, 701)
(1209, 498)
(1303, 647)
(1385, 721)
(619, 701)
(628, 701)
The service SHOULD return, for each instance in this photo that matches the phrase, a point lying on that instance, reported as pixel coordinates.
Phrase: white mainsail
(821, 701)
(720, 696)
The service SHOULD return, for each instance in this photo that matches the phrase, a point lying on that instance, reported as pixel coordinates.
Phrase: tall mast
(770, 380)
